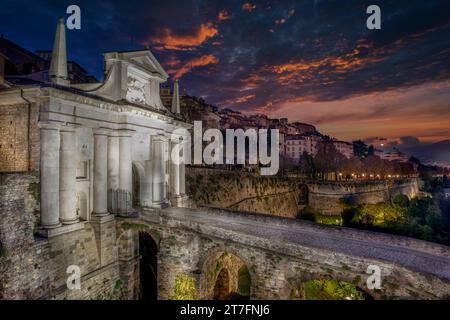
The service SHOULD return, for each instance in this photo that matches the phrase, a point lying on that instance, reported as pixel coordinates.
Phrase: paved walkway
(411, 253)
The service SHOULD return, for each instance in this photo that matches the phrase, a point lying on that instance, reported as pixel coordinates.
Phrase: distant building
(394, 155)
(345, 148)
(193, 109)
(297, 144)
(25, 67)
(447, 193)
(379, 143)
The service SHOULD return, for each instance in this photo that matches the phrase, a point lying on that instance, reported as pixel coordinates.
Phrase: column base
(160, 205)
(151, 214)
(62, 229)
(129, 214)
(95, 218)
(100, 214)
(68, 222)
(180, 201)
(50, 226)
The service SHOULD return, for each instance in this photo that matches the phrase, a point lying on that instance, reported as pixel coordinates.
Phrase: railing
(119, 201)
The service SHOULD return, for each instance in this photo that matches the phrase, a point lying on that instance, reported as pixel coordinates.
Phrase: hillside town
(20, 66)
(100, 202)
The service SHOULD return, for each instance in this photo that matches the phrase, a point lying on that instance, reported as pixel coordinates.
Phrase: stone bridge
(205, 250)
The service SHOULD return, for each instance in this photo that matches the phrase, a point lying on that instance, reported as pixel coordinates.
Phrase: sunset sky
(313, 61)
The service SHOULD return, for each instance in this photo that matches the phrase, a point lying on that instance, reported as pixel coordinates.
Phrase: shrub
(307, 213)
(401, 200)
(347, 216)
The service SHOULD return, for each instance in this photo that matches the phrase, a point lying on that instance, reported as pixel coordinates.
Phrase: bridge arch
(224, 275)
(327, 286)
(139, 241)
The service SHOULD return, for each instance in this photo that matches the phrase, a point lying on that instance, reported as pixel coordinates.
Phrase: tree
(401, 200)
(360, 149)
(306, 165)
(327, 159)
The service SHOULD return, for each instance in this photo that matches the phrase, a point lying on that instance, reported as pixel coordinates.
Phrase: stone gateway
(87, 184)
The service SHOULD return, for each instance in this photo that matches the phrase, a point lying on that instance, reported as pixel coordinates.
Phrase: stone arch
(82, 205)
(128, 240)
(326, 286)
(148, 266)
(131, 249)
(222, 275)
(303, 195)
(222, 285)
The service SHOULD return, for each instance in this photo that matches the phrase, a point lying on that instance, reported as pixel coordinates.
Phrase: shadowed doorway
(148, 267)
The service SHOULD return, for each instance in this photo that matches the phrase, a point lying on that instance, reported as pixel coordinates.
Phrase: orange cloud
(170, 41)
(245, 98)
(248, 6)
(194, 63)
(223, 15)
(300, 70)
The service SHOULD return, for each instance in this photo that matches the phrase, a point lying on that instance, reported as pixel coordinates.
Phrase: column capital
(67, 128)
(124, 132)
(160, 137)
(49, 125)
(101, 131)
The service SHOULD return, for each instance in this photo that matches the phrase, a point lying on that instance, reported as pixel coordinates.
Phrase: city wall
(284, 197)
(325, 197)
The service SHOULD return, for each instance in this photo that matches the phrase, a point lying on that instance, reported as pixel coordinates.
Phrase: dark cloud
(256, 55)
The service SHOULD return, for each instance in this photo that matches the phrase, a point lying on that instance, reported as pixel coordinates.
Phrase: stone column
(175, 169)
(101, 172)
(183, 176)
(158, 170)
(49, 170)
(113, 167)
(146, 185)
(125, 169)
(67, 176)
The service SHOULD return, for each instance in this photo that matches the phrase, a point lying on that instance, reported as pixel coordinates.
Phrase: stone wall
(18, 137)
(325, 197)
(34, 267)
(245, 192)
(276, 268)
(284, 197)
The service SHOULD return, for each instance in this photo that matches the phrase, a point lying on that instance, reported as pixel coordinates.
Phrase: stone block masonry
(34, 267)
(280, 256)
(281, 196)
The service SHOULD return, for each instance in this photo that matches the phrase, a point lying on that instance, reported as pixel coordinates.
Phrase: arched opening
(222, 287)
(328, 289)
(225, 276)
(136, 185)
(148, 267)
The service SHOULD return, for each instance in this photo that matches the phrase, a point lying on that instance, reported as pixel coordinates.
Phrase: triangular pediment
(146, 61)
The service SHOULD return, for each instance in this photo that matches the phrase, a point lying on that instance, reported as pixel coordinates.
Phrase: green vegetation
(423, 218)
(244, 282)
(328, 289)
(184, 288)
(307, 213)
(116, 294)
(133, 226)
(36, 220)
(35, 189)
(420, 218)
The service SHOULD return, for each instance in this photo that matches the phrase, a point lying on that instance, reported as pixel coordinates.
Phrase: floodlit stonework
(86, 180)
